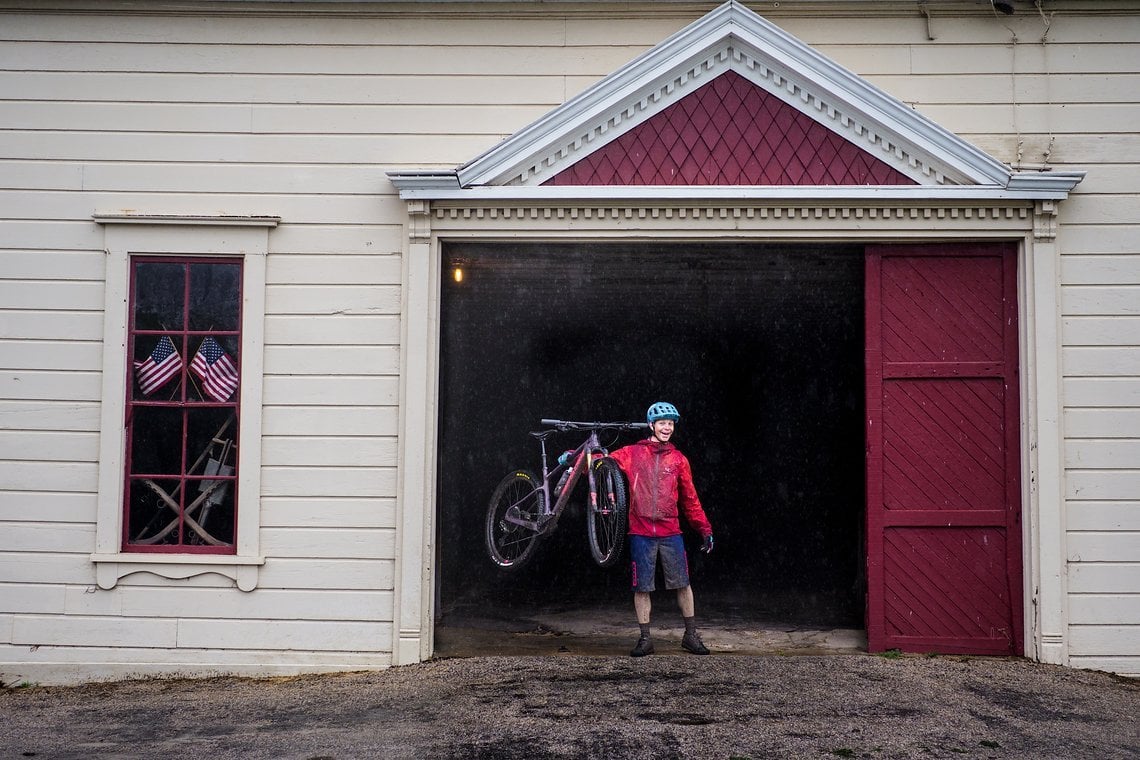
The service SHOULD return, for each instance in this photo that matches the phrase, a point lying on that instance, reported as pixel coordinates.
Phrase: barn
(287, 284)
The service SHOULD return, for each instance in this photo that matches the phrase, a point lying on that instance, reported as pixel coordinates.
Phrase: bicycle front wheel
(606, 518)
(518, 496)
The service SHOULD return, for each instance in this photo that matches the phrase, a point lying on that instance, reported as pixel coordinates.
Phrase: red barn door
(943, 490)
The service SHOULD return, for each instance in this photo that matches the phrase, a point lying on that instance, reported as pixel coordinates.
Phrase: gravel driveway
(723, 706)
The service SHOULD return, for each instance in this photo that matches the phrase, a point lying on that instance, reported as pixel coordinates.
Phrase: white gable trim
(731, 37)
(445, 186)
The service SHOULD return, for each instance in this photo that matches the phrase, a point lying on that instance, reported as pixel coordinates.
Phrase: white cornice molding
(1055, 185)
(848, 218)
(427, 180)
(446, 187)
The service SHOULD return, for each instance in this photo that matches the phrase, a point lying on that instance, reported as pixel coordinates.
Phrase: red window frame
(167, 507)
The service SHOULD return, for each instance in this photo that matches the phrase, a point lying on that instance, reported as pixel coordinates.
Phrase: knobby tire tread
(606, 530)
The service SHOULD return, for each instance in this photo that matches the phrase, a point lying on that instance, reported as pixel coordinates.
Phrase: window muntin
(182, 407)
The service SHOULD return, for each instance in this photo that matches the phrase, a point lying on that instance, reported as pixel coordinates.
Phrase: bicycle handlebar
(568, 425)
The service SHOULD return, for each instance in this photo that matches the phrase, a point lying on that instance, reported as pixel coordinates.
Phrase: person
(661, 489)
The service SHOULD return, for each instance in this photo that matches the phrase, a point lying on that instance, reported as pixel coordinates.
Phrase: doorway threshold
(609, 630)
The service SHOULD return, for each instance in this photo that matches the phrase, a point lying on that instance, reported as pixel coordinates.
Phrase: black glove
(707, 547)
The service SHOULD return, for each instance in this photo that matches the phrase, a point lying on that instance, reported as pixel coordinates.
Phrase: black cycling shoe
(644, 647)
(691, 642)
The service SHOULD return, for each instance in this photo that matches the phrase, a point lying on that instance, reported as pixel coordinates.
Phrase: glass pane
(214, 296)
(153, 509)
(156, 441)
(210, 510)
(159, 296)
(214, 368)
(210, 431)
(157, 367)
(210, 496)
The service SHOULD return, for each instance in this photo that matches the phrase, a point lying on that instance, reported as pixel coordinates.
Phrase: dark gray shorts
(644, 551)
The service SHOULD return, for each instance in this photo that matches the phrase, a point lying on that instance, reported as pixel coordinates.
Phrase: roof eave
(445, 186)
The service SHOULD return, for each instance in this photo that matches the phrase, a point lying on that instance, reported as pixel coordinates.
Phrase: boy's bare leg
(643, 606)
(685, 601)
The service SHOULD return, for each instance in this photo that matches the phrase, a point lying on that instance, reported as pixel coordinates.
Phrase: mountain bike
(525, 508)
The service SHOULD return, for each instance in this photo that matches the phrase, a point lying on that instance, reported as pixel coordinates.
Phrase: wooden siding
(299, 115)
(1100, 328)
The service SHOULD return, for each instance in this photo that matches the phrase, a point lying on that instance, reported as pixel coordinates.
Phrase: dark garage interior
(761, 349)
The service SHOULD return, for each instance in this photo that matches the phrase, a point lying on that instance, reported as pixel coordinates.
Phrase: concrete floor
(610, 629)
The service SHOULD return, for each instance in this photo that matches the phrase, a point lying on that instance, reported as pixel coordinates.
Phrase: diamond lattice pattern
(730, 132)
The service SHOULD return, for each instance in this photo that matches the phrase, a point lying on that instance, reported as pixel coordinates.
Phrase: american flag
(160, 367)
(213, 367)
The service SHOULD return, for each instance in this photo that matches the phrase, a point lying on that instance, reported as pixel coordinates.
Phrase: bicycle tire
(510, 545)
(606, 523)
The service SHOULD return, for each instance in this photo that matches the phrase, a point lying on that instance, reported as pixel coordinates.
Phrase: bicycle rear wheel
(517, 495)
(606, 521)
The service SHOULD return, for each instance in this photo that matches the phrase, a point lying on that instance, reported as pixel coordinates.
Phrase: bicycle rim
(510, 545)
(606, 521)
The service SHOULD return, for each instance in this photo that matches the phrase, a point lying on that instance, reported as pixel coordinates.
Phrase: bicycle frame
(525, 507)
(580, 461)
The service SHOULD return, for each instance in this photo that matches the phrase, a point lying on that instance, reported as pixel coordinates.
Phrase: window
(183, 413)
(180, 426)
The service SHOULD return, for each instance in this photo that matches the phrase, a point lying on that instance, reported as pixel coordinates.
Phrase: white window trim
(126, 235)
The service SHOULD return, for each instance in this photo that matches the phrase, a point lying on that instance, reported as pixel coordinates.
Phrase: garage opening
(761, 348)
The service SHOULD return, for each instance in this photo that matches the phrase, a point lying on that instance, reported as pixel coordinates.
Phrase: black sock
(644, 630)
(690, 624)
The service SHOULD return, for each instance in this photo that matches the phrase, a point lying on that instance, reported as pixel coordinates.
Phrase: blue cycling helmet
(662, 411)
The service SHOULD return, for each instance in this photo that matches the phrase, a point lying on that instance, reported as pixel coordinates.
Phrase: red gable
(730, 132)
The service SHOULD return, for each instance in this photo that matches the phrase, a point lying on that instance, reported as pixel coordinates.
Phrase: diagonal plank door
(943, 486)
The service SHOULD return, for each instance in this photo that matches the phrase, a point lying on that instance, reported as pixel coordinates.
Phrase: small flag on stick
(213, 367)
(163, 364)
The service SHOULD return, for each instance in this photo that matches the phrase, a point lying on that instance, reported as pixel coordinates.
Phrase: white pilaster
(415, 506)
(1047, 612)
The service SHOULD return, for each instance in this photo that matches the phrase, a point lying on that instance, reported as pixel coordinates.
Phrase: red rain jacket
(660, 481)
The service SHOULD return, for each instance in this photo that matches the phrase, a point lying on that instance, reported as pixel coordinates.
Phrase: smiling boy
(661, 489)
